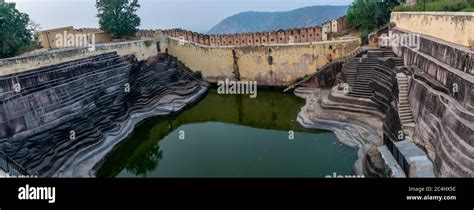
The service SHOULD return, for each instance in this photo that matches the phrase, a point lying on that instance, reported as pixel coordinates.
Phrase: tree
(117, 17)
(368, 15)
(16, 32)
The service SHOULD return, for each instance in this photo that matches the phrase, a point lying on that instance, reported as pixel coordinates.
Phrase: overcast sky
(195, 15)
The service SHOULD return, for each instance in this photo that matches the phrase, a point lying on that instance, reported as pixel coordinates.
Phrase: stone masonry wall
(277, 65)
(441, 91)
(454, 27)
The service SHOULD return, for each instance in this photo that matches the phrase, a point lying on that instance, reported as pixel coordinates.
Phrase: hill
(269, 21)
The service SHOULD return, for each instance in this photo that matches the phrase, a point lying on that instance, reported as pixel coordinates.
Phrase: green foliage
(439, 6)
(368, 15)
(197, 74)
(16, 30)
(117, 17)
(299, 79)
(148, 43)
(469, 9)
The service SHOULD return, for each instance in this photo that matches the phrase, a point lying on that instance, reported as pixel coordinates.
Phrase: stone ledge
(391, 163)
(436, 13)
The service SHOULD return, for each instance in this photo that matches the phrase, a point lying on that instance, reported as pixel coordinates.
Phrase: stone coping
(437, 13)
(441, 41)
(52, 57)
(464, 75)
(66, 49)
(350, 39)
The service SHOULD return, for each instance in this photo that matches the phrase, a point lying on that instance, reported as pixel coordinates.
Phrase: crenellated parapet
(149, 33)
(265, 38)
(288, 36)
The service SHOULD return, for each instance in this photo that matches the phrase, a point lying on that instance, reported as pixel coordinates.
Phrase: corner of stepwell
(409, 110)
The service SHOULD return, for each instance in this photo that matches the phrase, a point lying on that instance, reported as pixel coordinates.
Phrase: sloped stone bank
(66, 117)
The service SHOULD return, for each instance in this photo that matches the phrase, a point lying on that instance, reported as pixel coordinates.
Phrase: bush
(451, 6)
(197, 74)
(438, 6)
(469, 9)
(299, 79)
(364, 37)
(368, 15)
(148, 43)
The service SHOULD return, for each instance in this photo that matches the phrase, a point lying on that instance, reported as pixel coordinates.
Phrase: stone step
(406, 119)
(359, 81)
(404, 114)
(361, 88)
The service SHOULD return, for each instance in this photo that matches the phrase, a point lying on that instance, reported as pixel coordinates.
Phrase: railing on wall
(11, 167)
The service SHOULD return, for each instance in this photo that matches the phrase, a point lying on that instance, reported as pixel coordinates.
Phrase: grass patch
(196, 74)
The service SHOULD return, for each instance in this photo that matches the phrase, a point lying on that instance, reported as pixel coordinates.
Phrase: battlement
(264, 38)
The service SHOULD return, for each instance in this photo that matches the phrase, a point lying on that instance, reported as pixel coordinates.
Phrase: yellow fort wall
(289, 62)
(455, 27)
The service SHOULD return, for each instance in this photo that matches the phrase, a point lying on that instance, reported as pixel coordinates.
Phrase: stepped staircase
(404, 112)
(344, 59)
(358, 73)
(87, 93)
(385, 53)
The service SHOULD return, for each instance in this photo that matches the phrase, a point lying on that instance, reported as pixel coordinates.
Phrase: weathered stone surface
(373, 164)
(362, 111)
(445, 129)
(275, 65)
(355, 129)
(441, 98)
(99, 98)
(450, 65)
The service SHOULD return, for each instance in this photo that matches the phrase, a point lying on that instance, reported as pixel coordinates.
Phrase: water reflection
(259, 150)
